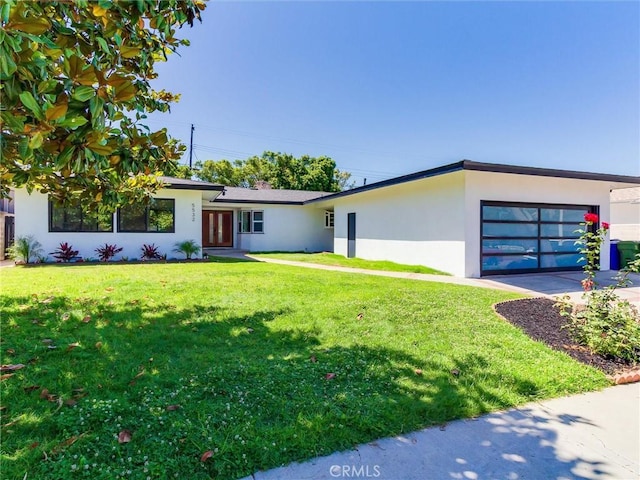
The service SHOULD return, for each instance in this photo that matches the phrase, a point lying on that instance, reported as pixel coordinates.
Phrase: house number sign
(193, 212)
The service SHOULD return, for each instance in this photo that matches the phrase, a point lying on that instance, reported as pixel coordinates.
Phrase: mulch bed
(539, 319)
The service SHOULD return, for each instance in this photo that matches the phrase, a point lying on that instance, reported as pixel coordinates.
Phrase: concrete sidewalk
(589, 436)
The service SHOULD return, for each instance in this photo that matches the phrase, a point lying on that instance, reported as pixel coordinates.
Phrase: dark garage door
(528, 237)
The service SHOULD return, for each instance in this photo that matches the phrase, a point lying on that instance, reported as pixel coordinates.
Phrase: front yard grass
(260, 364)
(326, 258)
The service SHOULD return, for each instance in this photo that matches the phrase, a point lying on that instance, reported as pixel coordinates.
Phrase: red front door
(217, 228)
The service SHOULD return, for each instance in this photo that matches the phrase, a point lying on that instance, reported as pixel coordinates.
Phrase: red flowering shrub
(606, 324)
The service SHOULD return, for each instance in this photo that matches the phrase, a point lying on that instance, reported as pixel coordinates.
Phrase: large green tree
(281, 170)
(75, 90)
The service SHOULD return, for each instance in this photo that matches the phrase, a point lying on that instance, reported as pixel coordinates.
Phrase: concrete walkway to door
(550, 285)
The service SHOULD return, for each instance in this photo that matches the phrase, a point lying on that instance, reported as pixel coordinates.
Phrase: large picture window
(251, 221)
(158, 216)
(521, 237)
(75, 219)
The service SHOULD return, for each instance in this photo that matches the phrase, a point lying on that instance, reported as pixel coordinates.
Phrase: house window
(251, 221)
(74, 219)
(328, 219)
(6, 204)
(159, 216)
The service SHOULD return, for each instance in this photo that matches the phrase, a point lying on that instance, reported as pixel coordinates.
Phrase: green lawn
(325, 258)
(262, 364)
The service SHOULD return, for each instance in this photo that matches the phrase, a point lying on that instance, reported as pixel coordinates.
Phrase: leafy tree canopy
(281, 170)
(75, 84)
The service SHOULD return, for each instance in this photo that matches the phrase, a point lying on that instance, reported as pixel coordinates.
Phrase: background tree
(75, 84)
(281, 170)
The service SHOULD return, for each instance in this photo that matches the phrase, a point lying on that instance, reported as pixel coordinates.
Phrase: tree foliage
(75, 84)
(281, 170)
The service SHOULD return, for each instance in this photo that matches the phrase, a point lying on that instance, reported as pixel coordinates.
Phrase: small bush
(64, 253)
(107, 252)
(24, 249)
(150, 252)
(607, 325)
(187, 247)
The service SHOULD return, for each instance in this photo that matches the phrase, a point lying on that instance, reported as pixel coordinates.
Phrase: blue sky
(389, 88)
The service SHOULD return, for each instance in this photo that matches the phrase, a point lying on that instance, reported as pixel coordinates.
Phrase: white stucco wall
(625, 221)
(415, 223)
(32, 218)
(526, 188)
(286, 228)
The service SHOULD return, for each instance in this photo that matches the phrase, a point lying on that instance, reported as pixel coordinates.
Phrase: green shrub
(606, 324)
(24, 249)
(187, 247)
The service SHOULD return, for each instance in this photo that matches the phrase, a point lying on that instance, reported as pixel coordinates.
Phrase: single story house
(468, 218)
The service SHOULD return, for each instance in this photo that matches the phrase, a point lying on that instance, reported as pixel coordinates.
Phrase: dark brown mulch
(542, 321)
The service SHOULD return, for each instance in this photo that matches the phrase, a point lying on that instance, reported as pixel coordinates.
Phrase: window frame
(147, 210)
(252, 222)
(52, 205)
(329, 219)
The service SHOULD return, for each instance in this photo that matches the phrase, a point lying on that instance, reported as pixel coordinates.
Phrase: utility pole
(191, 148)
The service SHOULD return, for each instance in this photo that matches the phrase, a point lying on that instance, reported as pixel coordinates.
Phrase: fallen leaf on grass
(124, 436)
(360, 316)
(48, 300)
(86, 319)
(455, 372)
(34, 445)
(65, 316)
(418, 371)
(109, 289)
(47, 341)
(45, 395)
(171, 408)
(249, 330)
(70, 402)
(206, 455)
(133, 381)
(51, 347)
(330, 376)
(72, 346)
(31, 388)
(10, 351)
(98, 345)
(67, 443)
(5, 376)
(313, 359)
(11, 368)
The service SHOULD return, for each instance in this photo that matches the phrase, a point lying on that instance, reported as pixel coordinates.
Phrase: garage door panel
(525, 237)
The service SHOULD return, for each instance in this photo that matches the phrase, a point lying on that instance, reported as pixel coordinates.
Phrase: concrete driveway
(559, 283)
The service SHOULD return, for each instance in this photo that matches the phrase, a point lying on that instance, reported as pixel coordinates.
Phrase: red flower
(605, 225)
(587, 284)
(591, 217)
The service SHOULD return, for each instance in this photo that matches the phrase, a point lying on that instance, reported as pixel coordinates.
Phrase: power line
(378, 153)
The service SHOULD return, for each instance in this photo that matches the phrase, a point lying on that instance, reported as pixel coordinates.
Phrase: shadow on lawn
(283, 382)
